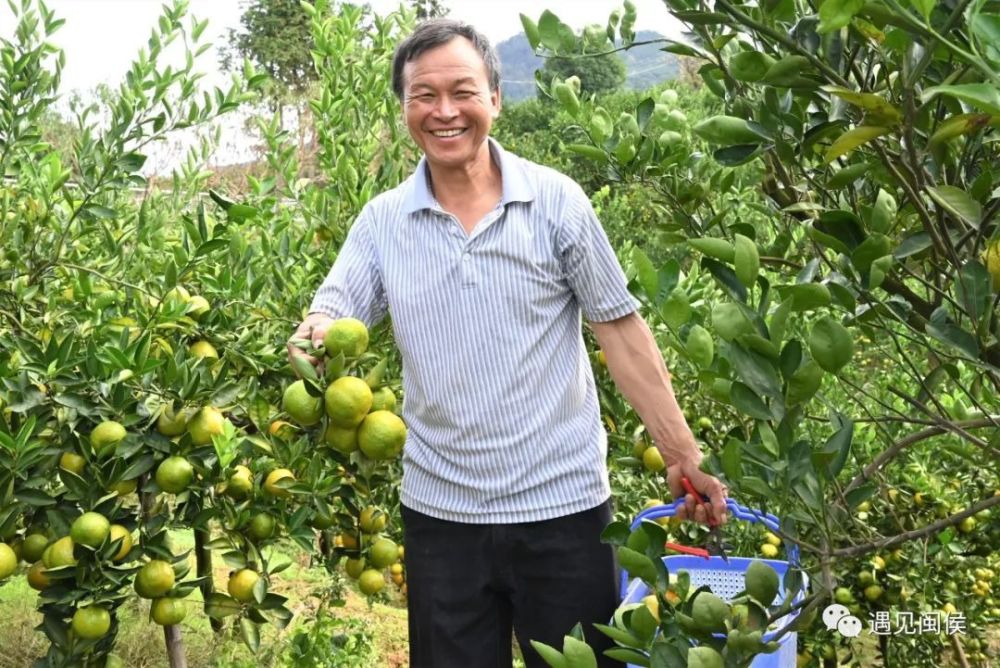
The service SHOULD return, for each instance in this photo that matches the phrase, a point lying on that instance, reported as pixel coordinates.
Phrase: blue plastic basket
(727, 579)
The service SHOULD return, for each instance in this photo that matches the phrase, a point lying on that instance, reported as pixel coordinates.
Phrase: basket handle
(736, 510)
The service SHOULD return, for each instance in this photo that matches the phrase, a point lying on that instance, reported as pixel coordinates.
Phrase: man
(485, 262)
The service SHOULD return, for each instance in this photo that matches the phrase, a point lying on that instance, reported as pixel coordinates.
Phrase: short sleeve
(353, 288)
(589, 263)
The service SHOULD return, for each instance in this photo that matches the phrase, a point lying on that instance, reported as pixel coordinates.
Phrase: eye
(464, 94)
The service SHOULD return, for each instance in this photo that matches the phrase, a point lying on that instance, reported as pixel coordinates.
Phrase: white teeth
(447, 133)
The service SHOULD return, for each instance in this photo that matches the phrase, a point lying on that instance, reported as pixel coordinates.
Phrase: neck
(465, 183)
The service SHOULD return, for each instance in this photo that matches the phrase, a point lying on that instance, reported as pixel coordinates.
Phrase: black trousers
(470, 585)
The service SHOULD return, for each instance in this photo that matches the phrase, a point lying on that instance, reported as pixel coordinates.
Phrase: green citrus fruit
(382, 435)
(843, 596)
(653, 460)
(354, 567)
(372, 520)
(348, 400)
(90, 529)
(172, 424)
(154, 579)
(240, 483)
(346, 335)
(91, 622)
(273, 477)
(261, 527)
(177, 295)
(59, 553)
(383, 399)
(167, 611)
(873, 592)
(118, 531)
(700, 347)
(383, 552)
(710, 612)
(33, 547)
(106, 436)
(729, 321)
(124, 487)
(206, 423)
(371, 582)
(341, 439)
(241, 584)
(301, 406)
(70, 461)
(991, 257)
(174, 474)
(8, 561)
(830, 344)
(761, 582)
(704, 657)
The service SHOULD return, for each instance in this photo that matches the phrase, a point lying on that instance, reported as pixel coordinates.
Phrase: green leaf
(956, 337)
(747, 402)
(637, 565)
(982, 96)
(646, 273)
(925, 7)
(805, 296)
(835, 14)
(589, 152)
(974, 288)
(732, 457)
(627, 656)
(958, 203)
(875, 105)
(620, 636)
(578, 653)
(550, 655)
(531, 31)
(853, 139)
(251, 634)
(554, 34)
(839, 445)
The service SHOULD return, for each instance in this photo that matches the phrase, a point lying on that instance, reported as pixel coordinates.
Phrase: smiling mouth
(444, 134)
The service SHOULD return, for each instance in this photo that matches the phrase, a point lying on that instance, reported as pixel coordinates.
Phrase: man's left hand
(707, 484)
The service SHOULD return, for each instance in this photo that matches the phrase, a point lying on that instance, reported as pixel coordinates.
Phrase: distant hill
(645, 66)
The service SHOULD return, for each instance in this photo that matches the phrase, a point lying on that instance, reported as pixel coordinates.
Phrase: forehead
(453, 61)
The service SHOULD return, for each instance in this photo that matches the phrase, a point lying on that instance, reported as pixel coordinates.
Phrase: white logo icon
(833, 614)
(849, 627)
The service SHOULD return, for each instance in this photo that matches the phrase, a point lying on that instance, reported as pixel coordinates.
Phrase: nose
(445, 108)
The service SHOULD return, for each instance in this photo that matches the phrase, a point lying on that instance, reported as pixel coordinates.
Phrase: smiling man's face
(448, 105)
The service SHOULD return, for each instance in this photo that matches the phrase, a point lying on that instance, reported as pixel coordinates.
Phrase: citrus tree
(843, 317)
(144, 385)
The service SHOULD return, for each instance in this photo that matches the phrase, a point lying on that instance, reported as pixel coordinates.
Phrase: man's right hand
(312, 329)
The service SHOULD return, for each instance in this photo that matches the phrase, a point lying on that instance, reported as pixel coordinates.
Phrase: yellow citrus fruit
(301, 406)
(106, 436)
(761, 582)
(91, 622)
(240, 483)
(382, 435)
(273, 477)
(33, 547)
(772, 539)
(154, 579)
(398, 578)
(8, 560)
(769, 551)
(341, 439)
(198, 306)
(206, 423)
(967, 525)
(282, 429)
(37, 578)
(371, 582)
(348, 400)
(653, 460)
(346, 335)
(383, 552)
(354, 567)
(372, 520)
(124, 487)
(174, 474)
(118, 531)
(177, 295)
(653, 605)
(59, 553)
(396, 569)
(348, 541)
(167, 611)
(170, 423)
(70, 461)
(602, 358)
(90, 529)
(241, 584)
(261, 527)
(383, 399)
(710, 612)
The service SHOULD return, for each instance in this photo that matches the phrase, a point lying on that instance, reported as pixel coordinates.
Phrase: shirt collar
(515, 184)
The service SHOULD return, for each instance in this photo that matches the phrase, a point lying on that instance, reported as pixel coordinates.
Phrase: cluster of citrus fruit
(357, 420)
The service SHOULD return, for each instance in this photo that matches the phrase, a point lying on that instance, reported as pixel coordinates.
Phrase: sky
(101, 37)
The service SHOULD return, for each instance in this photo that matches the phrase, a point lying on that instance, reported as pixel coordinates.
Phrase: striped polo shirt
(498, 393)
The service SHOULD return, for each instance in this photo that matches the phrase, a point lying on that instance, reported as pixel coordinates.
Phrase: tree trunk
(203, 567)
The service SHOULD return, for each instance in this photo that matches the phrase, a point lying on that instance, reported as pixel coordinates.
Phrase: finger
(700, 515)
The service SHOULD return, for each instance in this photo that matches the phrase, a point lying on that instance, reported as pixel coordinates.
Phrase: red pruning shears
(714, 546)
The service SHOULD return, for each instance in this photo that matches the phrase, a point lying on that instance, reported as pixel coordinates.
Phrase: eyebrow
(458, 82)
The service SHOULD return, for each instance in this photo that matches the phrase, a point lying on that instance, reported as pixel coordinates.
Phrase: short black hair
(437, 32)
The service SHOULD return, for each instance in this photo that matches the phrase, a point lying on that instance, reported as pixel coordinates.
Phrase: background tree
(599, 75)
(429, 9)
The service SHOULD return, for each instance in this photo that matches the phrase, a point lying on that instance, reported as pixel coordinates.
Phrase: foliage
(597, 75)
(854, 298)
